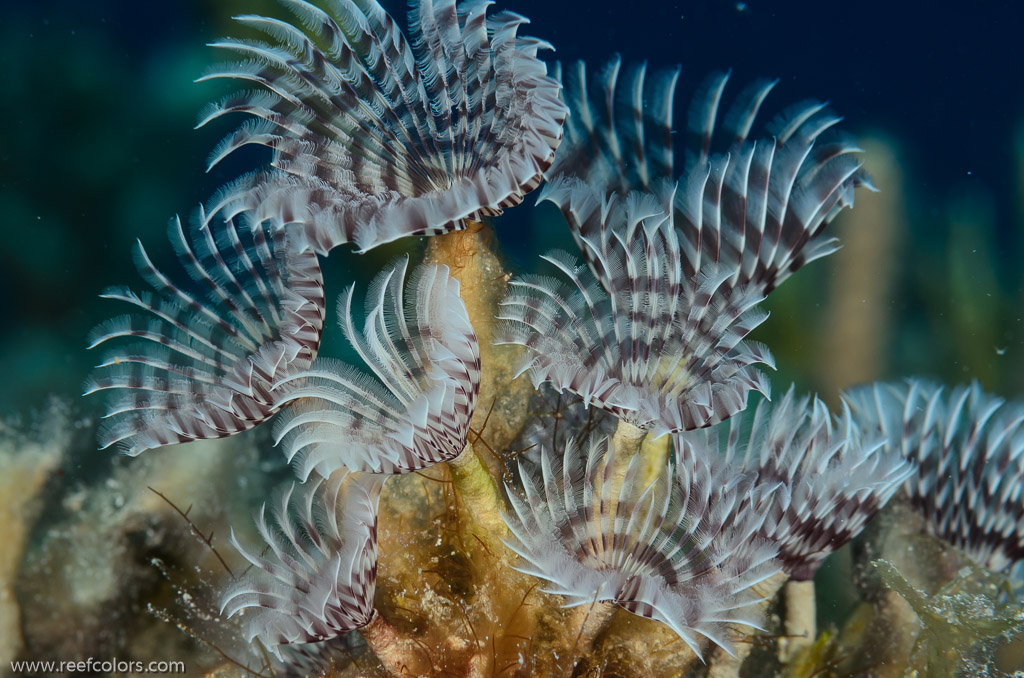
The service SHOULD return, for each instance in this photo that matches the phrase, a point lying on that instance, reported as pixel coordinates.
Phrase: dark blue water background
(97, 106)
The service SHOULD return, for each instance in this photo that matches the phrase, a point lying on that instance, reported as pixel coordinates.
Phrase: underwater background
(99, 105)
(98, 149)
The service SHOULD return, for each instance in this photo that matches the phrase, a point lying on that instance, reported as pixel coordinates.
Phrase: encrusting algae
(26, 463)
(518, 475)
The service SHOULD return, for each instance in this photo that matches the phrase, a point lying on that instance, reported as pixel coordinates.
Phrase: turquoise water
(99, 149)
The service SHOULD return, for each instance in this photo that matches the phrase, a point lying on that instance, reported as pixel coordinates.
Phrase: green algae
(961, 624)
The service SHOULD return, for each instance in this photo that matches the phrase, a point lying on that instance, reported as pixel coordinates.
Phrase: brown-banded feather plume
(376, 136)
(316, 659)
(754, 206)
(416, 408)
(316, 578)
(682, 550)
(209, 350)
(831, 479)
(968, 449)
(629, 333)
(618, 137)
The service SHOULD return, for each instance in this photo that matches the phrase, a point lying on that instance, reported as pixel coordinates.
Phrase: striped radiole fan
(755, 206)
(968, 447)
(655, 331)
(831, 480)
(628, 333)
(683, 550)
(209, 350)
(375, 136)
(320, 580)
(421, 347)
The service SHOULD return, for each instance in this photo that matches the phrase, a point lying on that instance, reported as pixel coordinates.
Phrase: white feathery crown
(209, 350)
(832, 480)
(320, 581)
(628, 334)
(679, 550)
(968, 449)
(421, 347)
(757, 207)
(375, 136)
(656, 333)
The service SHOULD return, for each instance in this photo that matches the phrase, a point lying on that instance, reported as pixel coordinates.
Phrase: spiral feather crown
(376, 136)
(968, 447)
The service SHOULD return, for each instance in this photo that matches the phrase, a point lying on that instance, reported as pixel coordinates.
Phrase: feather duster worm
(969, 450)
(831, 479)
(656, 332)
(756, 208)
(683, 550)
(321, 579)
(419, 343)
(211, 350)
(376, 137)
(629, 333)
